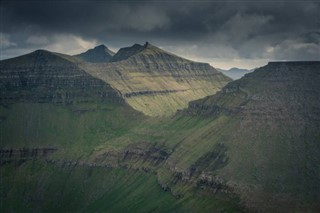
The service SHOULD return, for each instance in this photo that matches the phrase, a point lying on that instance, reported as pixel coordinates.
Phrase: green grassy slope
(260, 134)
(79, 132)
(258, 139)
(40, 187)
(75, 128)
(263, 137)
(156, 82)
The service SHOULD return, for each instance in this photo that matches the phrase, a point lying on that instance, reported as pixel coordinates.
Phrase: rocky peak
(99, 54)
(147, 53)
(126, 52)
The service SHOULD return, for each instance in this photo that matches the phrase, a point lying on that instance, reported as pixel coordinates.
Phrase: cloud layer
(228, 33)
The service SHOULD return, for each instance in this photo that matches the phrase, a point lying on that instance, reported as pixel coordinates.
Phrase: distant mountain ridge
(235, 73)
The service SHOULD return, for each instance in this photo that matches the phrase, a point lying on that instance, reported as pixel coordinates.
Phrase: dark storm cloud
(204, 30)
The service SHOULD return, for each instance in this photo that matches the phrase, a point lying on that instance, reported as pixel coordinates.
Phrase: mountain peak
(101, 46)
(98, 54)
(40, 56)
(143, 50)
(126, 52)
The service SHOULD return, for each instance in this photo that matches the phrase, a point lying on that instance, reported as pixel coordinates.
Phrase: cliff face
(43, 76)
(156, 82)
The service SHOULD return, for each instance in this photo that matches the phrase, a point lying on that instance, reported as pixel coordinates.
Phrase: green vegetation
(75, 129)
(256, 142)
(156, 82)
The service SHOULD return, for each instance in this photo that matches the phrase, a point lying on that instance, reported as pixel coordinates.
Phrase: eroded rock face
(43, 76)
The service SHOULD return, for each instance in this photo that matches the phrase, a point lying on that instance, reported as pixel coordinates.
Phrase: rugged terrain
(56, 123)
(253, 146)
(156, 82)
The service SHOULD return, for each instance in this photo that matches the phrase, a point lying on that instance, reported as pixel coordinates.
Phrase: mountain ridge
(252, 146)
(147, 75)
(99, 54)
(235, 72)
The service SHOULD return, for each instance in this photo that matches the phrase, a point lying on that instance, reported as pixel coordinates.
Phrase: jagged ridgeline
(43, 76)
(156, 82)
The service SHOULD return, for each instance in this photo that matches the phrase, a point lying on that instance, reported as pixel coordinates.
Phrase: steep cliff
(43, 76)
(156, 82)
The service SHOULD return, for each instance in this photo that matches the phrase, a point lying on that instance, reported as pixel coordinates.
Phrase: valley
(150, 131)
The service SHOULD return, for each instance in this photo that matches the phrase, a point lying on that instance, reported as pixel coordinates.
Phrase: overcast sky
(244, 34)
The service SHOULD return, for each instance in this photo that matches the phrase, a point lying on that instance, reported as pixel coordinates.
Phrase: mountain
(257, 140)
(157, 82)
(44, 76)
(126, 52)
(235, 73)
(70, 140)
(261, 135)
(99, 54)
